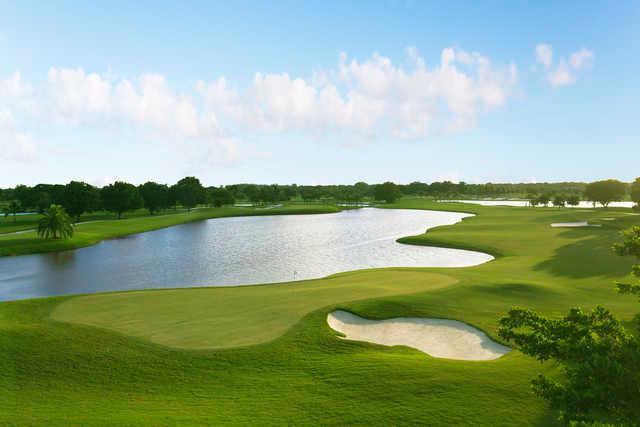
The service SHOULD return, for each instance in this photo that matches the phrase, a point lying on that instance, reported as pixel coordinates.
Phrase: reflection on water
(59, 259)
(235, 251)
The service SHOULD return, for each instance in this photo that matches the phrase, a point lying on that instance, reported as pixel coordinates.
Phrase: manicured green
(138, 366)
(91, 232)
(234, 316)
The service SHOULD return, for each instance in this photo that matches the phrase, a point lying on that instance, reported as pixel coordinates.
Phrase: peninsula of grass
(100, 226)
(265, 355)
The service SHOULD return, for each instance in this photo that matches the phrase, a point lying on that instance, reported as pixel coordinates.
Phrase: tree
(388, 192)
(154, 196)
(533, 199)
(360, 191)
(630, 246)
(559, 201)
(219, 196)
(573, 200)
(190, 192)
(172, 196)
(44, 201)
(120, 197)
(79, 197)
(55, 224)
(12, 209)
(635, 191)
(544, 199)
(605, 192)
(599, 357)
(26, 196)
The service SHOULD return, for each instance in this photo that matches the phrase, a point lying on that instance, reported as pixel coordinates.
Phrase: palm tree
(55, 224)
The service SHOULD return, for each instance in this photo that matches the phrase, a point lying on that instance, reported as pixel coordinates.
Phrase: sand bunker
(441, 338)
(574, 224)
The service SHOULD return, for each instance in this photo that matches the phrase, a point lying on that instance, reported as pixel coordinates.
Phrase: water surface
(235, 251)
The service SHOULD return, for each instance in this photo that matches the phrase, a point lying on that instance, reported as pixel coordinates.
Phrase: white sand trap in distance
(448, 339)
(574, 224)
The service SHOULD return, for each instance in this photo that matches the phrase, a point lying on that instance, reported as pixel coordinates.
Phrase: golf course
(265, 354)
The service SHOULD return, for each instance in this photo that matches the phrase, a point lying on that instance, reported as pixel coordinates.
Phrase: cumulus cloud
(354, 100)
(566, 70)
(77, 97)
(370, 98)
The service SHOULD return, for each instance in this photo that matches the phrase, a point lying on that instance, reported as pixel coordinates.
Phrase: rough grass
(291, 368)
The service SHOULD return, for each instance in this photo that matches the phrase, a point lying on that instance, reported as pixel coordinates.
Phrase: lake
(236, 251)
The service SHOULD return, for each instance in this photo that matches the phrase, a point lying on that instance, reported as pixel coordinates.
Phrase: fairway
(249, 354)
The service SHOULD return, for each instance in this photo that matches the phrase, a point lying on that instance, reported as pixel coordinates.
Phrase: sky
(318, 92)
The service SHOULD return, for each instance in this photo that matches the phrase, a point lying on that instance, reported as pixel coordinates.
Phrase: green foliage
(544, 199)
(219, 196)
(387, 192)
(635, 191)
(189, 192)
(12, 209)
(630, 246)
(559, 201)
(573, 200)
(55, 224)
(154, 196)
(120, 197)
(605, 192)
(78, 198)
(600, 359)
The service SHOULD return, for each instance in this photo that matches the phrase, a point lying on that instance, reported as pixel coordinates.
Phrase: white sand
(441, 338)
(574, 224)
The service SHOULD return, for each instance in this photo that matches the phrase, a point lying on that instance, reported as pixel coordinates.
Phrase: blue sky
(318, 92)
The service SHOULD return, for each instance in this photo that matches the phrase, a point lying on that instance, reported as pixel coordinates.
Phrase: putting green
(234, 316)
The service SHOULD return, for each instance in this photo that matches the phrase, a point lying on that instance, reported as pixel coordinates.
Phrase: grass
(106, 227)
(9, 224)
(264, 354)
(202, 319)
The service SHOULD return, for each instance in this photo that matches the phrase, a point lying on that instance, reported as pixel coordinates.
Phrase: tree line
(603, 192)
(79, 197)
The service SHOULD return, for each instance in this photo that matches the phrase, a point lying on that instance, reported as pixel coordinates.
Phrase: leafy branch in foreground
(598, 356)
(630, 246)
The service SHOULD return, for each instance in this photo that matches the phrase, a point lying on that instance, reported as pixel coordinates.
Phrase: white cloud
(581, 59)
(544, 55)
(14, 144)
(76, 97)
(369, 98)
(565, 73)
(355, 100)
(561, 76)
